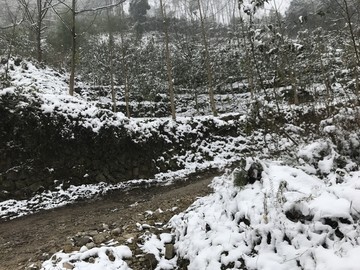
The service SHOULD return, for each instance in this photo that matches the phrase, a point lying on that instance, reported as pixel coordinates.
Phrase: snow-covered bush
(292, 219)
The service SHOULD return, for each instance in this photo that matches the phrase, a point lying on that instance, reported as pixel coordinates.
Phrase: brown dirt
(34, 238)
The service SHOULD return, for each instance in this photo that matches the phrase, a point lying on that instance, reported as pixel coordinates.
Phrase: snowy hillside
(303, 211)
(39, 111)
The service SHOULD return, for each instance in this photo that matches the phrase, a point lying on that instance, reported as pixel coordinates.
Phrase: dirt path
(36, 237)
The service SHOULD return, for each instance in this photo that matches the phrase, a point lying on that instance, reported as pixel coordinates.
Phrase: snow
(304, 213)
(156, 246)
(249, 225)
(104, 258)
(49, 89)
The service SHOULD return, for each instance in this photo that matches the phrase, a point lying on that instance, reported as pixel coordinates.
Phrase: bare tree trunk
(73, 49)
(72, 29)
(168, 63)
(127, 94)
(249, 64)
(112, 84)
(11, 37)
(207, 62)
(348, 17)
(294, 87)
(353, 39)
(351, 30)
(111, 56)
(10, 52)
(38, 32)
(36, 20)
(125, 67)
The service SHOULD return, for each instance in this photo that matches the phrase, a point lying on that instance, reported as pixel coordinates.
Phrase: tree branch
(100, 8)
(61, 19)
(12, 25)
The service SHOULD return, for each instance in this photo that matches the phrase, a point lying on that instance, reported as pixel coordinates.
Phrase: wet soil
(33, 238)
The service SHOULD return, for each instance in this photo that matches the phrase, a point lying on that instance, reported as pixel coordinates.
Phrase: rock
(83, 249)
(90, 245)
(150, 261)
(92, 233)
(17, 61)
(100, 238)
(130, 236)
(254, 172)
(82, 241)
(116, 232)
(68, 248)
(68, 265)
(110, 255)
(169, 251)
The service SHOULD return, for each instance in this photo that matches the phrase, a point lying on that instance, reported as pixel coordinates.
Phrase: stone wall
(39, 151)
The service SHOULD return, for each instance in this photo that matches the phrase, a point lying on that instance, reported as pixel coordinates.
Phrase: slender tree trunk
(125, 68)
(126, 73)
(111, 64)
(111, 60)
(127, 94)
(207, 62)
(249, 64)
(356, 51)
(38, 30)
(351, 30)
(10, 52)
(294, 87)
(168, 63)
(73, 49)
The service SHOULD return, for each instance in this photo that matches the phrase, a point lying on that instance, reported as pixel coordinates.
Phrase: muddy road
(33, 238)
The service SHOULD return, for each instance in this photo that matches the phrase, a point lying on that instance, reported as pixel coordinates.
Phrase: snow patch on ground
(103, 258)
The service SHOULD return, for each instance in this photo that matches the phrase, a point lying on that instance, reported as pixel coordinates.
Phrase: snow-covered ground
(304, 213)
(291, 219)
(300, 215)
(109, 258)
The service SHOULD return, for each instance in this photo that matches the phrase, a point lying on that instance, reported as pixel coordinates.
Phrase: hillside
(291, 203)
(52, 142)
(116, 116)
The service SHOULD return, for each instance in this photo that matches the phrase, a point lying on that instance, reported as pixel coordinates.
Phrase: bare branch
(100, 8)
(61, 19)
(12, 25)
(28, 14)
